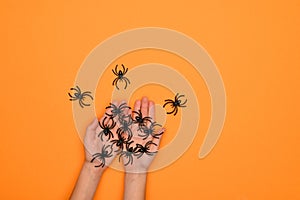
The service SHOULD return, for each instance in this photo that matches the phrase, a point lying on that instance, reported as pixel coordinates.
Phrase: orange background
(255, 45)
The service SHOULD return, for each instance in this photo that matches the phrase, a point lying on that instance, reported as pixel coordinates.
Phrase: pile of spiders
(116, 131)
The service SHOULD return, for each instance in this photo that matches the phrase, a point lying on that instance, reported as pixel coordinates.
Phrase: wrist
(94, 171)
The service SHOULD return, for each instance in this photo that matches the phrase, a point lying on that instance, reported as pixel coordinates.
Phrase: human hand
(143, 145)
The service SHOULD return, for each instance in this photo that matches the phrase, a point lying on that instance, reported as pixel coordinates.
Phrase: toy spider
(117, 111)
(140, 149)
(140, 120)
(175, 104)
(106, 128)
(120, 141)
(80, 96)
(120, 76)
(105, 153)
(150, 131)
(125, 126)
(128, 154)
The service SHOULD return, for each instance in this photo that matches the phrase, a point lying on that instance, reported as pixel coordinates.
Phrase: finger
(137, 105)
(157, 140)
(144, 106)
(152, 110)
(93, 126)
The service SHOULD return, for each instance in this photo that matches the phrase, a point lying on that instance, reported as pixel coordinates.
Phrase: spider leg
(128, 160)
(176, 110)
(167, 102)
(125, 82)
(87, 94)
(78, 89)
(117, 83)
(123, 69)
(85, 103)
(74, 99)
(115, 80)
(171, 111)
(182, 104)
(126, 79)
(180, 96)
(80, 103)
(70, 95)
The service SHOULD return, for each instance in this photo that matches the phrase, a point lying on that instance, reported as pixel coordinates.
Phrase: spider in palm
(106, 128)
(106, 152)
(80, 96)
(147, 131)
(141, 150)
(128, 153)
(121, 141)
(117, 111)
(140, 120)
(175, 104)
(120, 76)
(125, 126)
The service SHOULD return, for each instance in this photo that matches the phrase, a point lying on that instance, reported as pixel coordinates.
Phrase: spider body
(120, 76)
(140, 149)
(140, 120)
(147, 131)
(106, 152)
(117, 110)
(128, 153)
(77, 95)
(175, 104)
(121, 141)
(106, 128)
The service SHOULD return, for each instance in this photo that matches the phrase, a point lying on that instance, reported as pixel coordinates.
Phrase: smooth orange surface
(255, 45)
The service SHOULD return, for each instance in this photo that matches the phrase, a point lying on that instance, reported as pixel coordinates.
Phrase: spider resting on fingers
(105, 153)
(175, 104)
(140, 120)
(80, 96)
(106, 128)
(120, 76)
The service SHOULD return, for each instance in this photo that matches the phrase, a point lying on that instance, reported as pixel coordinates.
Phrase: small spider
(105, 153)
(150, 131)
(106, 128)
(125, 126)
(117, 111)
(80, 96)
(120, 142)
(128, 153)
(120, 76)
(175, 104)
(140, 149)
(140, 120)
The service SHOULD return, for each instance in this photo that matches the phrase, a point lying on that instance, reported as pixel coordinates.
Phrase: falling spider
(121, 141)
(106, 152)
(175, 104)
(106, 128)
(128, 154)
(120, 76)
(80, 96)
(117, 111)
(147, 131)
(140, 149)
(140, 120)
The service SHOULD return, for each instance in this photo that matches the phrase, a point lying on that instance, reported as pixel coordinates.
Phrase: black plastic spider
(140, 120)
(150, 131)
(117, 111)
(140, 149)
(120, 76)
(80, 96)
(175, 104)
(106, 128)
(125, 126)
(128, 153)
(105, 153)
(121, 141)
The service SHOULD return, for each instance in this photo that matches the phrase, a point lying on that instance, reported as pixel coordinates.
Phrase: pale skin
(136, 173)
